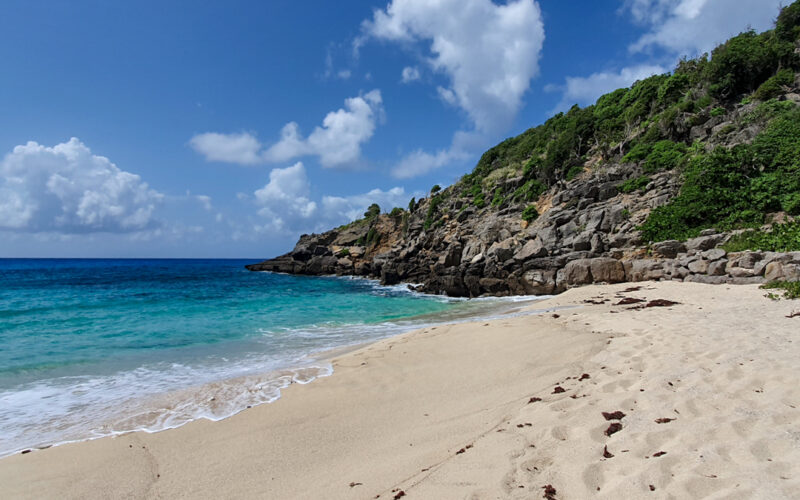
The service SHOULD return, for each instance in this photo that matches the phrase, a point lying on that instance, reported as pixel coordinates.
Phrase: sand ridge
(506, 409)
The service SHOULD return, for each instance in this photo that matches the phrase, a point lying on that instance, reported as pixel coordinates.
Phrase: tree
(373, 211)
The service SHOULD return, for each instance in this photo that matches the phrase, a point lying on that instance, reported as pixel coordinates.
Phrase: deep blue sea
(90, 348)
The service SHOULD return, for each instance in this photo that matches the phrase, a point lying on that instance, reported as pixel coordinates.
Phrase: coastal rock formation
(646, 184)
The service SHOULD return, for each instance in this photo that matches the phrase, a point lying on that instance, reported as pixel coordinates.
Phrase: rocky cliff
(651, 182)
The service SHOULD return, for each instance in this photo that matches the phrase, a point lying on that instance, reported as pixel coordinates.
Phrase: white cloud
(205, 201)
(348, 208)
(586, 90)
(337, 142)
(284, 200)
(285, 205)
(242, 148)
(410, 74)
(691, 27)
(489, 52)
(67, 189)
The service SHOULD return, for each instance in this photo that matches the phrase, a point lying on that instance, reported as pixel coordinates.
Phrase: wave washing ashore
(99, 347)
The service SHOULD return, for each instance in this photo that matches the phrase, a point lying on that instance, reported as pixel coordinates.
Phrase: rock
(773, 271)
(699, 266)
(578, 272)
(669, 248)
(582, 242)
(717, 268)
(493, 285)
(451, 256)
(643, 270)
(539, 282)
(604, 269)
(714, 254)
(476, 259)
(532, 249)
(708, 280)
(702, 243)
(503, 250)
(389, 276)
(747, 280)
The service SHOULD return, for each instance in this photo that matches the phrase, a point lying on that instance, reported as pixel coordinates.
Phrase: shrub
(637, 184)
(791, 289)
(665, 155)
(530, 213)
(773, 87)
(781, 238)
(412, 205)
(433, 208)
(529, 191)
(344, 252)
(787, 26)
(396, 212)
(436, 188)
(373, 237)
(718, 111)
(373, 211)
(498, 198)
(574, 171)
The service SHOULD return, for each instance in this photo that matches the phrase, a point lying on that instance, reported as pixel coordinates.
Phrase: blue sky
(211, 129)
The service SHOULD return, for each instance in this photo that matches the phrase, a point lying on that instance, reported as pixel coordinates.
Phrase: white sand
(723, 364)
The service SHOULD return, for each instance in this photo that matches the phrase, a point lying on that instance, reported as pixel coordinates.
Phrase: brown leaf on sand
(652, 488)
(661, 303)
(613, 428)
(354, 484)
(606, 453)
(459, 452)
(549, 492)
(584, 377)
(23, 452)
(659, 453)
(632, 289)
(664, 420)
(556, 316)
(795, 314)
(534, 400)
(628, 300)
(558, 390)
(614, 415)
(399, 494)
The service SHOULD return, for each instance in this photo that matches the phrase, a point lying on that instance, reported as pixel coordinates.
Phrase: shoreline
(444, 412)
(157, 412)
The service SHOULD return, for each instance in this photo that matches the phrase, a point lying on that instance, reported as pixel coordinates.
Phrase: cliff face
(587, 233)
(648, 183)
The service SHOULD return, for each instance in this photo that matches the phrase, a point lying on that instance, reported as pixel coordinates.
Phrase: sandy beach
(701, 401)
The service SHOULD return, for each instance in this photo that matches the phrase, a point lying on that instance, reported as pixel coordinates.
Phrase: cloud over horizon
(67, 189)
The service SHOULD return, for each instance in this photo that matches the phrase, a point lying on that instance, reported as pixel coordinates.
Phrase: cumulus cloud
(242, 148)
(337, 142)
(284, 199)
(348, 208)
(67, 189)
(285, 205)
(410, 74)
(690, 27)
(489, 52)
(586, 90)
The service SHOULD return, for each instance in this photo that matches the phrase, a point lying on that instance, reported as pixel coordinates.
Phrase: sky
(193, 129)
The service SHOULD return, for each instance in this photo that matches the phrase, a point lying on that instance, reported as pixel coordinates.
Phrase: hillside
(647, 183)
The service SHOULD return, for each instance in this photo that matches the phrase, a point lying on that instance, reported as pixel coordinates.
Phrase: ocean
(96, 347)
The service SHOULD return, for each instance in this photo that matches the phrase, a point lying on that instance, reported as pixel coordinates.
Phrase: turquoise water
(95, 347)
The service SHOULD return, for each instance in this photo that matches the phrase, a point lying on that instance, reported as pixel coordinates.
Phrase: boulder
(503, 250)
(643, 270)
(699, 266)
(717, 268)
(531, 250)
(578, 272)
(607, 270)
(668, 249)
(539, 282)
(702, 243)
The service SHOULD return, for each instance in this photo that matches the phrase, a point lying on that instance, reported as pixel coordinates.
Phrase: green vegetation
(373, 237)
(412, 205)
(636, 184)
(373, 211)
(433, 209)
(396, 212)
(436, 188)
(791, 289)
(344, 252)
(530, 213)
(781, 238)
(652, 124)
